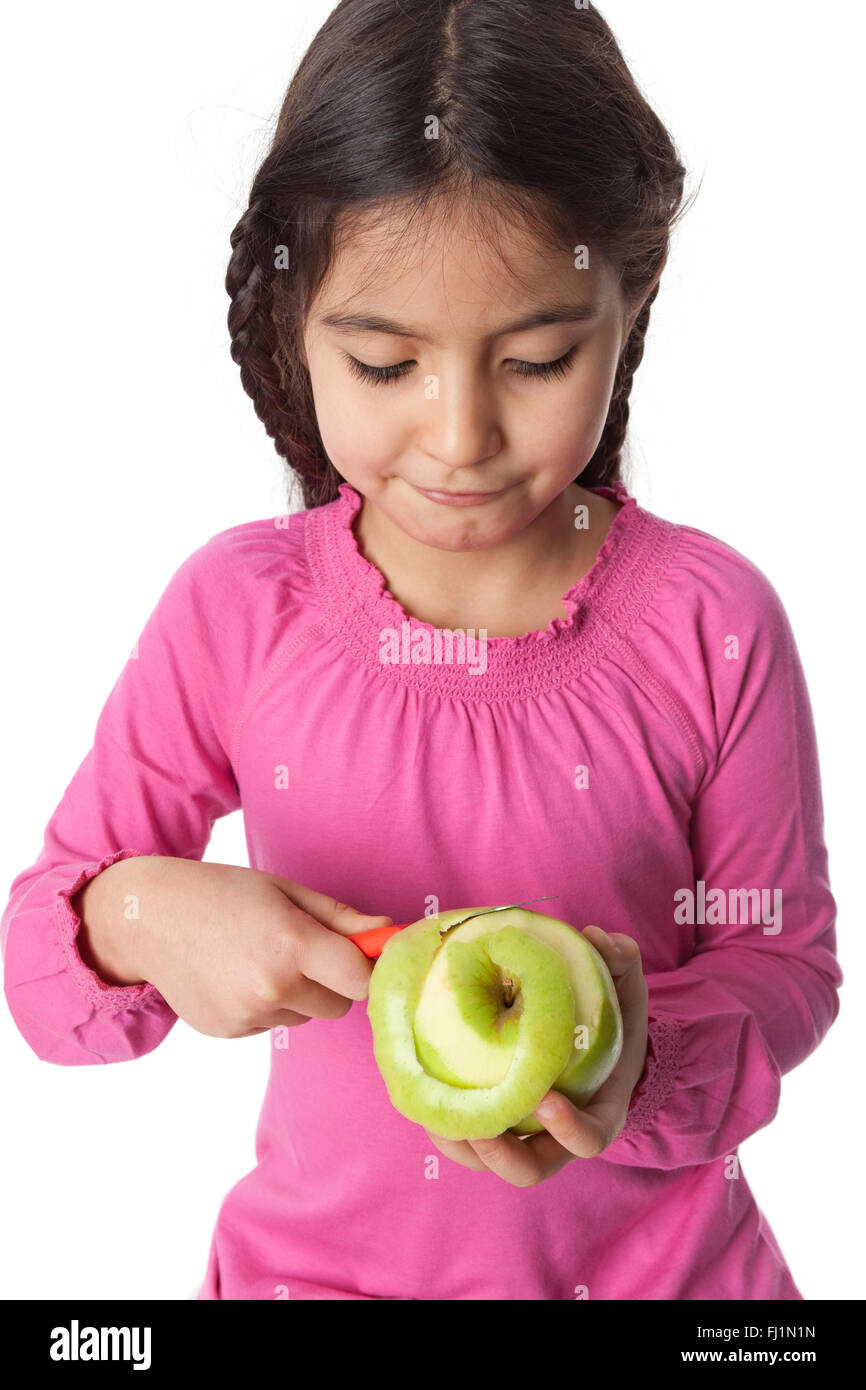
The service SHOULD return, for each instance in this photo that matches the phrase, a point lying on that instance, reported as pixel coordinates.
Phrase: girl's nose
(460, 426)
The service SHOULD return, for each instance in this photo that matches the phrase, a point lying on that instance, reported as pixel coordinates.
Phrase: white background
(130, 139)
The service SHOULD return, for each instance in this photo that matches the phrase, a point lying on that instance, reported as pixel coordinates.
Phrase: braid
(605, 464)
(256, 348)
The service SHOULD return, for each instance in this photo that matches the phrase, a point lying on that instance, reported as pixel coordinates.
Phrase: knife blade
(373, 942)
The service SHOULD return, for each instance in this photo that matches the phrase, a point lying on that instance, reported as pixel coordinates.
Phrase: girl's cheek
(562, 434)
(356, 434)
(343, 414)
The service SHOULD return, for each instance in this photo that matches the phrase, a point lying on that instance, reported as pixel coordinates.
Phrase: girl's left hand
(571, 1133)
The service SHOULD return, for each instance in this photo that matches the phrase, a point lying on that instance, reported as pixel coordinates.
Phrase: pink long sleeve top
(649, 760)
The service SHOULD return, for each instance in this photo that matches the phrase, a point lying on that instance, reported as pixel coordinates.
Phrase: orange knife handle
(372, 942)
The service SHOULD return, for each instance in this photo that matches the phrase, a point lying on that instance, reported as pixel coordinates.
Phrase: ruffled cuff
(99, 993)
(663, 1061)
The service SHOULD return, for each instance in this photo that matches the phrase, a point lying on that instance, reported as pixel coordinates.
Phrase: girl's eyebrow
(373, 323)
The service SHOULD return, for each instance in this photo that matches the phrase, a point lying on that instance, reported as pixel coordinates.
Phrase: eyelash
(380, 376)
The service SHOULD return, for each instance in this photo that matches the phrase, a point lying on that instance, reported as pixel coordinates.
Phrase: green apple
(473, 1024)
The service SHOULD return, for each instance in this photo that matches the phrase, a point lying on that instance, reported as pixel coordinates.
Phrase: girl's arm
(106, 940)
(153, 783)
(757, 996)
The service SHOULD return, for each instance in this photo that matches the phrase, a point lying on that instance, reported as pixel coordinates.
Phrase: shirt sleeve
(154, 781)
(760, 990)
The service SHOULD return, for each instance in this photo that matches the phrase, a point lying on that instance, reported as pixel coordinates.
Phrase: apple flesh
(474, 1024)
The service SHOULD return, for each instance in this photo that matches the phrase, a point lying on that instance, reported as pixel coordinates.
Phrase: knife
(373, 942)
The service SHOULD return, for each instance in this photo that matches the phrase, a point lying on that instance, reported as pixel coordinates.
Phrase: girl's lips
(460, 499)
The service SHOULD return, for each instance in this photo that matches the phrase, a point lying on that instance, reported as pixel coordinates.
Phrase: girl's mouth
(460, 499)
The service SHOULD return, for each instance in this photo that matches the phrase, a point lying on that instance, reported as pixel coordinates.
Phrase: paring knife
(372, 942)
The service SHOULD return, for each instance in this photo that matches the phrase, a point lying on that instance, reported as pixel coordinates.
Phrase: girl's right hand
(236, 951)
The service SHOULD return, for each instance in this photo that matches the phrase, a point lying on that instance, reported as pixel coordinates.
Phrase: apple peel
(473, 1025)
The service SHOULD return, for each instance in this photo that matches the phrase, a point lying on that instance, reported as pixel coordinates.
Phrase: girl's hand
(235, 951)
(571, 1133)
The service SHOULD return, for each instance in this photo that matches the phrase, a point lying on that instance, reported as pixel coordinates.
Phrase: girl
(439, 296)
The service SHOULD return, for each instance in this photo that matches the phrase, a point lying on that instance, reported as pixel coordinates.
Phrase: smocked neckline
(374, 580)
(359, 607)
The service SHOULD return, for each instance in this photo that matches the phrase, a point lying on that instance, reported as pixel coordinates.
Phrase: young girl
(439, 296)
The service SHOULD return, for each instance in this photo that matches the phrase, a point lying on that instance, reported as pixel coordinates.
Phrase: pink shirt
(674, 682)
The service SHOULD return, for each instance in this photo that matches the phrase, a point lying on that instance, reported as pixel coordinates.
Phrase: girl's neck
(506, 591)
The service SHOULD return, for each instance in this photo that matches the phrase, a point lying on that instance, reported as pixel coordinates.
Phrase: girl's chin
(449, 534)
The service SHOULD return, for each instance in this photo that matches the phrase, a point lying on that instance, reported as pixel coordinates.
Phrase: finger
(329, 960)
(327, 911)
(460, 1150)
(549, 1154)
(585, 1133)
(305, 998)
(510, 1159)
(313, 1000)
(623, 959)
(324, 954)
(621, 953)
(282, 1018)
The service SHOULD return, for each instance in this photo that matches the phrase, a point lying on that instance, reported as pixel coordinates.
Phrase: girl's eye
(377, 375)
(380, 375)
(546, 370)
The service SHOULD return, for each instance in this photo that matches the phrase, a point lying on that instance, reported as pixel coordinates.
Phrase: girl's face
(442, 376)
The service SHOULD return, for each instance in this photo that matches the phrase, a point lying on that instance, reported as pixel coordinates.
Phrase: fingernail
(546, 1108)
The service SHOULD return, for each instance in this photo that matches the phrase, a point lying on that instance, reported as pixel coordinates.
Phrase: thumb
(339, 917)
(621, 953)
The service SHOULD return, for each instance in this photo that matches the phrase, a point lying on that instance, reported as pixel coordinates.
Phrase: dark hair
(539, 119)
